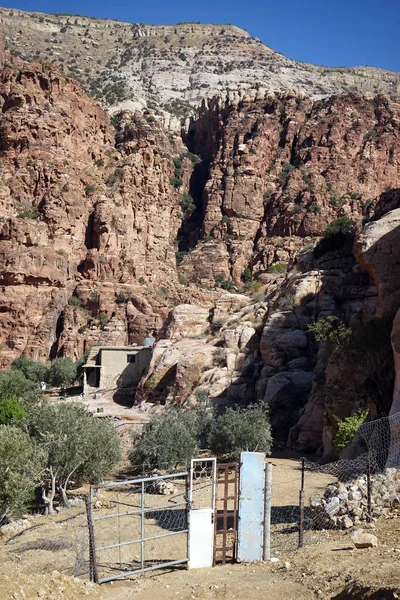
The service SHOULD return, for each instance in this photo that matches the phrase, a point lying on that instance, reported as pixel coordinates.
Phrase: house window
(131, 358)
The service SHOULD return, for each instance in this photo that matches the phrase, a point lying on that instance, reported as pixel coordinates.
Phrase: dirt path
(322, 569)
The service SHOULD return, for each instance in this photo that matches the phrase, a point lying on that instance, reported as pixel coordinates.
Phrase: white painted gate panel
(201, 538)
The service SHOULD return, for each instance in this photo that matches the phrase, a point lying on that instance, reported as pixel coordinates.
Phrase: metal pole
(187, 493)
(267, 512)
(94, 576)
(369, 515)
(301, 507)
(142, 528)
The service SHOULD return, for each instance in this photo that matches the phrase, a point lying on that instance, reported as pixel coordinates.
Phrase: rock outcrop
(89, 218)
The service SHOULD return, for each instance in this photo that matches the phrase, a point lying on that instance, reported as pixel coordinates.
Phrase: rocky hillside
(171, 68)
(96, 214)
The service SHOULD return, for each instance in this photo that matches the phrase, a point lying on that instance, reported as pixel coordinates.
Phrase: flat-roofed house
(111, 367)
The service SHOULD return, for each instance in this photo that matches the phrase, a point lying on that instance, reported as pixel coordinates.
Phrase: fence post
(267, 512)
(187, 495)
(94, 576)
(301, 507)
(369, 515)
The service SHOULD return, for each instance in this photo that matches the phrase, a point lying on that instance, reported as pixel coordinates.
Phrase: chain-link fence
(45, 544)
(311, 499)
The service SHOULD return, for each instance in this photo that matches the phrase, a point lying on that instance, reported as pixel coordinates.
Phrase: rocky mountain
(272, 211)
(171, 68)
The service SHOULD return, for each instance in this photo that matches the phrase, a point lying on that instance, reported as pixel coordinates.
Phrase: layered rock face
(281, 168)
(85, 213)
(171, 68)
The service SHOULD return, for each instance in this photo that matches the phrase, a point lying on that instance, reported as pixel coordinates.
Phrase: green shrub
(10, 411)
(331, 330)
(277, 268)
(90, 189)
(241, 429)
(121, 299)
(225, 284)
(187, 205)
(75, 301)
(62, 372)
(180, 255)
(284, 174)
(21, 466)
(348, 428)
(176, 182)
(15, 386)
(33, 370)
(335, 236)
(115, 177)
(168, 441)
(247, 275)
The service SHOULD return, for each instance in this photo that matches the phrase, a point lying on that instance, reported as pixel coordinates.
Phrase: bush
(62, 372)
(31, 369)
(277, 268)
(241, 429)
(176, 182)
(15, 386)
(225, 284)
(187, 205)
(348, 428)
(90, 189)
(331, 330)
(169, 440)
(121, 299)
(10, 411)
(246, 275)
(115, 177)
(335, 236)
(75, 301)
(21, 465)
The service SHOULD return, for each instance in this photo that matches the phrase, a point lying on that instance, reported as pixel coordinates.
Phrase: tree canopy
(22, 463)
(79, 446)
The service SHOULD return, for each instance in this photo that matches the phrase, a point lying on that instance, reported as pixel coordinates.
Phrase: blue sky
(335, 33)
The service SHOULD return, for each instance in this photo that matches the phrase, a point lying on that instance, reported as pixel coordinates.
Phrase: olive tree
(62, 372)
(33, 370)
(10, 411)
(15, 386)
(169, 440)
(22, 463)
(79, 446)
(241, 429)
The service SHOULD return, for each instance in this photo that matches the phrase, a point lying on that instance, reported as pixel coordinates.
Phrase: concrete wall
(116, 371)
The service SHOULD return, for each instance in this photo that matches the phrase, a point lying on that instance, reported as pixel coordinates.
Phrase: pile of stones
(344, 505)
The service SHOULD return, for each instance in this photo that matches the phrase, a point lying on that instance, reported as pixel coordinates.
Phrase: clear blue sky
(332, 33)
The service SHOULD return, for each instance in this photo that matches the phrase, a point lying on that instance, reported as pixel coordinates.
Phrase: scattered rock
(364, 540)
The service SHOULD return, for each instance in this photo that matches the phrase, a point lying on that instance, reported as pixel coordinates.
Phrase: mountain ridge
(170, 69)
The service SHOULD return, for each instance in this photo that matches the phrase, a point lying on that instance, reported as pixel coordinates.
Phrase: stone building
(111, 367)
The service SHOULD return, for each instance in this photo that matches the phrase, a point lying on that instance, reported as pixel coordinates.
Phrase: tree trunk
(63, 490)
(48, 497)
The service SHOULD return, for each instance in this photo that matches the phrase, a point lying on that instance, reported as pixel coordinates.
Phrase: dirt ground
(327, 565)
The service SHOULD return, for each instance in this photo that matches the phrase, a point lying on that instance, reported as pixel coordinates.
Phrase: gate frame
(227, 513)
(141, 511)
(212, 462)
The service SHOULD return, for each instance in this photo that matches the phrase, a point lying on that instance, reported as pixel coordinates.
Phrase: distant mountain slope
(171, 68)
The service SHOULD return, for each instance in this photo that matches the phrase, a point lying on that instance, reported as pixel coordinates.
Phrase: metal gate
(225, 533)
(138, 525)
(201, 512)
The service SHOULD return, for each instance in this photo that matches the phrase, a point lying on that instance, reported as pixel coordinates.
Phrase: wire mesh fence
(45, 544)
(339, 495)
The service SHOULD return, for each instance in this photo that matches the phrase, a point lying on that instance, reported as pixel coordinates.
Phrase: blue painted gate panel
(251, 506)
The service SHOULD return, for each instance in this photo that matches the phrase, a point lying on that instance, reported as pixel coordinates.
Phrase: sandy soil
(322, 569)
